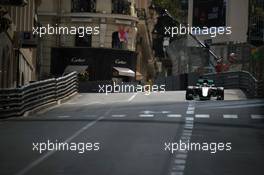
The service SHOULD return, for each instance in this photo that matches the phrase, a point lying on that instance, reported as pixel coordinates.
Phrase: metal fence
(229, 80)
(239, 80)
(17, 101)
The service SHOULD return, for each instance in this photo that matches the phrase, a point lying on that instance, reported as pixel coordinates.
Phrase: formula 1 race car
(204, 90)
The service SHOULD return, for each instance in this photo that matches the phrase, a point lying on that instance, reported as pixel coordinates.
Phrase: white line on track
(230, 116)
(70, 103)
(180, 167)
(253, 116)
(64, 116)
(118, 115)
(132, 97)
(181, 156)
(189, 118)
(174, 115)
(190, 112)
(191, 108)
(176, 173)
(165, 112)
(91, 115)
(69, 139)
(202, 116)
(94, 103)
(146, 115)
(179, 161)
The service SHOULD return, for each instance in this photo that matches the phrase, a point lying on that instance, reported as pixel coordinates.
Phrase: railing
(229, 80)
(239, 80)
(15, 102)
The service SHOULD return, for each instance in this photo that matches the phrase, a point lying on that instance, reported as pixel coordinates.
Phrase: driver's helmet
(205, 83)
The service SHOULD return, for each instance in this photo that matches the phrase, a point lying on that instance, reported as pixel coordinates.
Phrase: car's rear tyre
(189, 95)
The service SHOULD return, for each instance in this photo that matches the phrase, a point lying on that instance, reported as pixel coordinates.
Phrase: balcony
(81, 6)
(121, 7)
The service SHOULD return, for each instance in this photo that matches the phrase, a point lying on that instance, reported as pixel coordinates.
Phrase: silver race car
(204, 90)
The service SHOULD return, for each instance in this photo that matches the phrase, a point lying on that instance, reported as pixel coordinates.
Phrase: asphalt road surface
(135, 134)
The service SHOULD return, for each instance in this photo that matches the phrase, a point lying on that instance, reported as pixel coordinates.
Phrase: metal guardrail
(17, 101)
(239, 80)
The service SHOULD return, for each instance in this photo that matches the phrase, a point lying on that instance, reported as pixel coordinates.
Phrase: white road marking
(191, 108)
(118, 115)
(187, 134)
(190, 118)
(64, 116)
(181, 156)
(146, 115)
(90, 115)
(70, 103)
(132, 97)
(182, 151)
(94, 103)
(179, 161)
(187, 131)
(185, 137)
(230, 116)
(253, 116)
(69, 139)
(239, 106)
(176, 173)
(180, 167)
(188, 126)
(190, 112)
(174, 115)
(148, 112)
(188, 121)
(165, 112)
(202, 116)
(48, 154)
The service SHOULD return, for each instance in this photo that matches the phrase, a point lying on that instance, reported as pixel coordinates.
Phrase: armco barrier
(239, 80)
(17, 101)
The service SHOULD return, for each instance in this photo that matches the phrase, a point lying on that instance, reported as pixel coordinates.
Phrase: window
(83, 5)
(121, 7)
(209, 13)
(115, 41)
(85, 41)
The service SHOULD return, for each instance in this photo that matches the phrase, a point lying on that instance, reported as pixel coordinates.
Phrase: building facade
(111, 45)
(256, 22)
(220, 13)
(18, 63)
(232, 14)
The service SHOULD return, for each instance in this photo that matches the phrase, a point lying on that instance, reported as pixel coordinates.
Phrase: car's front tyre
(220, 94)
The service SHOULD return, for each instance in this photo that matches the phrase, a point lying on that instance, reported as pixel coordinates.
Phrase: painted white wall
(236, 17)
